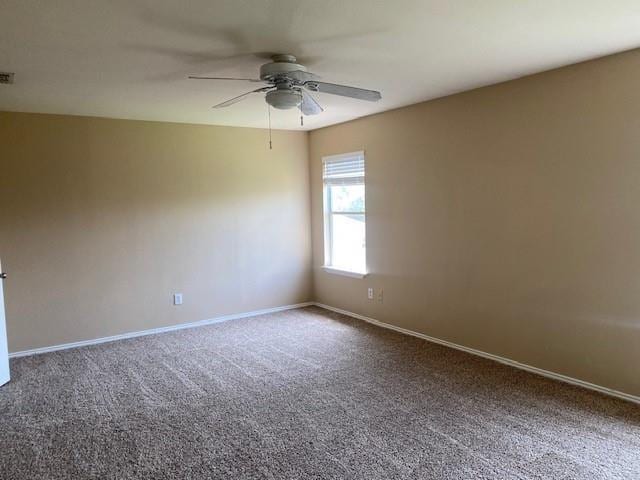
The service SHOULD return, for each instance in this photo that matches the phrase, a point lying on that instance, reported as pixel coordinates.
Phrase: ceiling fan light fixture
(284, 99)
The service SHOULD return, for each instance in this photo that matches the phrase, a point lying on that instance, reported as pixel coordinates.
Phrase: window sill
(346, 273)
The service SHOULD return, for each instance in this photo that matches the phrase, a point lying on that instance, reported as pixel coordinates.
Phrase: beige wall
(506, 219)
(101, 221)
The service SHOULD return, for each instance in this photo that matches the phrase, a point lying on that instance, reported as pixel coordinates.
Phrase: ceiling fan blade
(344, 91)
(240, 97)
(309, 106)
(197, 77)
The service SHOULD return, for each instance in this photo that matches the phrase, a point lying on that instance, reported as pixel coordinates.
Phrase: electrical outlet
(177, 299)
(6, 77)
(380, 296)
(370, 293)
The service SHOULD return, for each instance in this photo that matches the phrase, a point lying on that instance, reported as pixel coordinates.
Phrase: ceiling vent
(6, 78)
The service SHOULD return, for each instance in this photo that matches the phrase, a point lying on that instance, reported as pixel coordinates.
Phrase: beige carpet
(302, 394)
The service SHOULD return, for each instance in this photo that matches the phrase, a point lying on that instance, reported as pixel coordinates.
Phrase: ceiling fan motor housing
(283, 97)
(281, 65)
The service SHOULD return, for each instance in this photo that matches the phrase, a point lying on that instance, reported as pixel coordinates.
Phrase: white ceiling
(130, 58)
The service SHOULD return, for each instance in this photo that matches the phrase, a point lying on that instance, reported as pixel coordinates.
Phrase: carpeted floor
(302, 394)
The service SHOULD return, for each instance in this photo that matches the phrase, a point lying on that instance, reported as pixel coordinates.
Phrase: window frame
(327, 214)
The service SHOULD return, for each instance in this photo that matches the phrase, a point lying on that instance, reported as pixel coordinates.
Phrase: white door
(4, 352)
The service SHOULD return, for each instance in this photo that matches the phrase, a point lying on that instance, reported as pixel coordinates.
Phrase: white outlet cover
(370, 293)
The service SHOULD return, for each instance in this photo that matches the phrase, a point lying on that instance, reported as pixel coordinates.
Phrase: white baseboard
(495, 358)
(235, 316)
(152, 331)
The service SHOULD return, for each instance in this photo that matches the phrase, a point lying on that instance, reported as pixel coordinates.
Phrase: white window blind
(347, 169)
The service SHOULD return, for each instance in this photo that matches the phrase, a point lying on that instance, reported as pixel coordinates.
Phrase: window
(344, 214)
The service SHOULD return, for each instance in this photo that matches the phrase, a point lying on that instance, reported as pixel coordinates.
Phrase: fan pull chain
(269, 115)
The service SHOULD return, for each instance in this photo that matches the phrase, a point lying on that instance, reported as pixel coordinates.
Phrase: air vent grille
(6, 78)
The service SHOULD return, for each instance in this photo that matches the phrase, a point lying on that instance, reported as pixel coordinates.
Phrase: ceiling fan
(287, 85)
